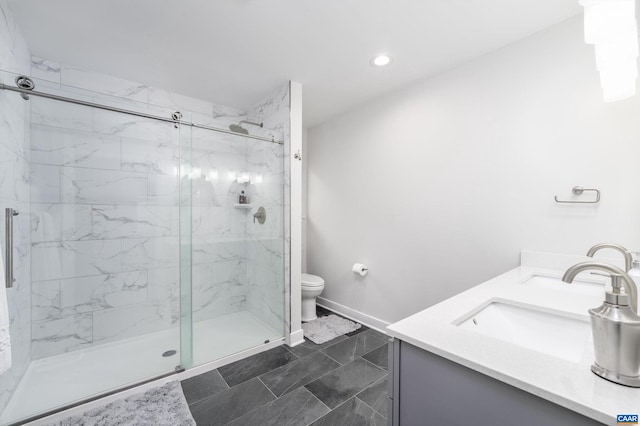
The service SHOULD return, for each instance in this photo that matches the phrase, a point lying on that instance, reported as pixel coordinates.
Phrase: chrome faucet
(628, 260)
(629, 285)
(615, 327)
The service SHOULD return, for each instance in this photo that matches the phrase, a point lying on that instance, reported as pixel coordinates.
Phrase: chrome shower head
(236, 128)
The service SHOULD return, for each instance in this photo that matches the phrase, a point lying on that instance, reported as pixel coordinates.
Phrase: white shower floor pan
(61, 380)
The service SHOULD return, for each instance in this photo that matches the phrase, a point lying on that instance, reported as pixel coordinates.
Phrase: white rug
(323, 329)
(161, 406)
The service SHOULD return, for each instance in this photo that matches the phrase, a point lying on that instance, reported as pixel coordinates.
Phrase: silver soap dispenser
(616, 337)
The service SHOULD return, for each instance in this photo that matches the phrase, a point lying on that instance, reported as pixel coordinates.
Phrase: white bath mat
(161, 406)
(323, 329)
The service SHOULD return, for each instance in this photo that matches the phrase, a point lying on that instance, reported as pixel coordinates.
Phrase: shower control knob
(261, 215)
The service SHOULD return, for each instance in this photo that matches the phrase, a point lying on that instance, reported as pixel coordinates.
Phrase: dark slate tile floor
(343, 381)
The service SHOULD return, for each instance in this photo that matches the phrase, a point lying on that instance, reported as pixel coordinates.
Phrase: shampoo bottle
(634, 272)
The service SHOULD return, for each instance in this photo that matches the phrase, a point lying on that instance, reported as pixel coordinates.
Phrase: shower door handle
(9, 213)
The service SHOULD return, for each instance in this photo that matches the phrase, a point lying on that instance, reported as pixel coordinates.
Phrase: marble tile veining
(66, 147)
(162, 189)
(45, 69)
(14, 123)
(121, 221)
(70, 259)
(14, 176)
(160, 157)
(128, 126)
(45, 300)
(93, 186)
(100, 292)
(130, 321)
(60, 222)
(51, 337)
(218, 288)
(48, 112)
(149, 253)
(102, 83)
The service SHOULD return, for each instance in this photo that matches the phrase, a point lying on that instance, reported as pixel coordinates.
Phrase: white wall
(438, 187)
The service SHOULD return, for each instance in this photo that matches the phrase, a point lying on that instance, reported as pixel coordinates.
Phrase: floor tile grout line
(333, 359)
(309, 382)
(255, 409)
(342, 403)
(223, 379)
(355, 336)
(372, 385)
(320, 401)
(319, 377)
(296, 358)
(270, 391)
(353, 396)
(379, 368)
(290, 349)
(373, 409)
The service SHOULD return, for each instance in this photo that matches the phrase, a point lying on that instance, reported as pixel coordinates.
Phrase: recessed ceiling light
(380, 60)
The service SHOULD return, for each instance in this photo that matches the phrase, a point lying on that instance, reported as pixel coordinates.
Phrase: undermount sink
(553, 334)
(593, 287)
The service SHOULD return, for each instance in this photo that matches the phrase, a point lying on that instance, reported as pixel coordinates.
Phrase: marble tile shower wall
(105, 220)
(268, 244)
(14, 192)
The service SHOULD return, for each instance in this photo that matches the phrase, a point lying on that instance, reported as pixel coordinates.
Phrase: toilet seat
(312, 281)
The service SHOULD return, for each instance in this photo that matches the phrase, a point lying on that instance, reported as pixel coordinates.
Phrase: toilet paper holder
(360, 269)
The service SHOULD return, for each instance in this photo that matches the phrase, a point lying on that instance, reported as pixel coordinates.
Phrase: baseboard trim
(296, 338)
(371, 322)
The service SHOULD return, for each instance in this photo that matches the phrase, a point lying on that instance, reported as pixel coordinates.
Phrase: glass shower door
(238, 266)
(104, 227)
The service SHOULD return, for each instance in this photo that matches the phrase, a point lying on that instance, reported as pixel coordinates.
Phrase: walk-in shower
(133, 257)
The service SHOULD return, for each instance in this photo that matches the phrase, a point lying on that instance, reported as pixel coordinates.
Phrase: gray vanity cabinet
(426, 389)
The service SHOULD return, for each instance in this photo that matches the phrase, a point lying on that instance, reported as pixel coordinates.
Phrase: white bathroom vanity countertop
(568, 384)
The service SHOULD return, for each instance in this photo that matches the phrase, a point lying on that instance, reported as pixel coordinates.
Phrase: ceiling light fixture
(380, 60)
(610, 25)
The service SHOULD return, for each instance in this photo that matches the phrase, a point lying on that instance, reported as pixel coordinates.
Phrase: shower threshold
(62, 380)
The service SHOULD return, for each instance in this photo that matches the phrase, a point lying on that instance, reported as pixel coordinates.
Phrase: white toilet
(312, 286)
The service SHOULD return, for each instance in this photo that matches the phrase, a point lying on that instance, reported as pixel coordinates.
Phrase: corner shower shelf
(242, 206)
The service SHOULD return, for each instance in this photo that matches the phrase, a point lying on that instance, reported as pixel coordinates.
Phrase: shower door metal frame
(175, 118)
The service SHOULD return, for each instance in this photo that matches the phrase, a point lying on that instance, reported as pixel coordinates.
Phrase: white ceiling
(234, 52)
